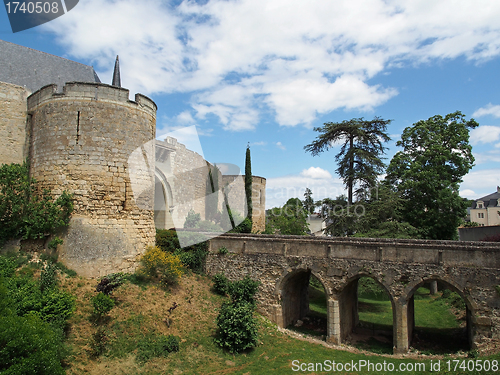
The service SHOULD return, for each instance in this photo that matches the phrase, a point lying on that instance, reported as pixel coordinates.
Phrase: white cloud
(482, 182)
(320, 181)
(484, 134)
(316, 172)
(469, 194)
(239, 59)
(490, 109)
(280, 146)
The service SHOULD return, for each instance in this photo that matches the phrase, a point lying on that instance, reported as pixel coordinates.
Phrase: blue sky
(266, 72)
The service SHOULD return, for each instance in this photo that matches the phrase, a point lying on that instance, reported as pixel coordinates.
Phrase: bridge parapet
(478, 254)
(283, 265)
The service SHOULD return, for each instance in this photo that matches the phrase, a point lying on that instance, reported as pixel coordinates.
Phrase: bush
(166, 267)
(369, 288)
(29, 346)
(167, 240)
(156, 346)
(48, 277)
(221, 284)
(192, 257)
(453, 299)
(243, 290)
(24, 210)
(237, 327)
(102, 304)
(223, 250)
(192, 219)
(110, 282)
(244, 227)
(52, 305)
(98, 342)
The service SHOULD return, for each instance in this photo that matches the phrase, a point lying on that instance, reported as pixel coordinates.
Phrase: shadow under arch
(349, 306)
(470, 306)
(292, 290)
(163, 200)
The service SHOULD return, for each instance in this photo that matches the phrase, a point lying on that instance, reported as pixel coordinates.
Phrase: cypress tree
(248, 183)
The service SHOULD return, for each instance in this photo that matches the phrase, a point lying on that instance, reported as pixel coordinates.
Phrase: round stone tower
(95, 143)
(237, 200)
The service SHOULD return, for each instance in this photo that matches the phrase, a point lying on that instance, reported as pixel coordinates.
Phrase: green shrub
(52, 305)
(102, 304)
(244, 227)
(223, 250)
(453, 299)
(243, 290)
(167, 240)
(192, 219)
(192, 257)
(48, 277)
(369, 288)
(7, 266)
(54, 242)
(110, 282)
(29, 346)
(221, 284)
(237, 327)
(98, 342)
(25, 211)
(156, 346)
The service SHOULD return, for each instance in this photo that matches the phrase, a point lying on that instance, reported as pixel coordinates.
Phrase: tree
(339, 217)
(248, 183)
(427, 173)
(382, 216)
(359, 158)
(26, 211)
(289, 219)
(212, 205)
(308, 201)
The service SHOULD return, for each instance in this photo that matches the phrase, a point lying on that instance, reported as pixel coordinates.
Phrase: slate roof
(34, 69)
(490, 200)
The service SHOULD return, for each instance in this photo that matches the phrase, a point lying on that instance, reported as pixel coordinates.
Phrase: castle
(85, 137)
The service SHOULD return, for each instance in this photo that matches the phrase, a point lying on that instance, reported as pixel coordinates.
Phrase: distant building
(486, 210)
(316, 225)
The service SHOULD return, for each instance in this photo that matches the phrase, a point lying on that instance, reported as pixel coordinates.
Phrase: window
(479, 205)
(480, 215)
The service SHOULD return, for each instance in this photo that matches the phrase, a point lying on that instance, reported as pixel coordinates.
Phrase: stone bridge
(283, 265)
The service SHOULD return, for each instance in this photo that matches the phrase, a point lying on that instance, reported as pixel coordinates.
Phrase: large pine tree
(360, 157)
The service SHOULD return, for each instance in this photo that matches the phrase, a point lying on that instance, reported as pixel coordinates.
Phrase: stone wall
(12, 123)
(93, 142)
(237, 200)
(282, 263)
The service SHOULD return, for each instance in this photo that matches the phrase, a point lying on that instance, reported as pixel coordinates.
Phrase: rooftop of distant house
(490, 200)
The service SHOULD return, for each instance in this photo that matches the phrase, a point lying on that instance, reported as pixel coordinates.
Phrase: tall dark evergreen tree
(248, 183)
(308, 201)
(359, 159)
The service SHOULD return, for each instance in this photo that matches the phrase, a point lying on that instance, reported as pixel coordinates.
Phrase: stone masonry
(283, 265)
(93, 142)
(237, 200)
(12, 123)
